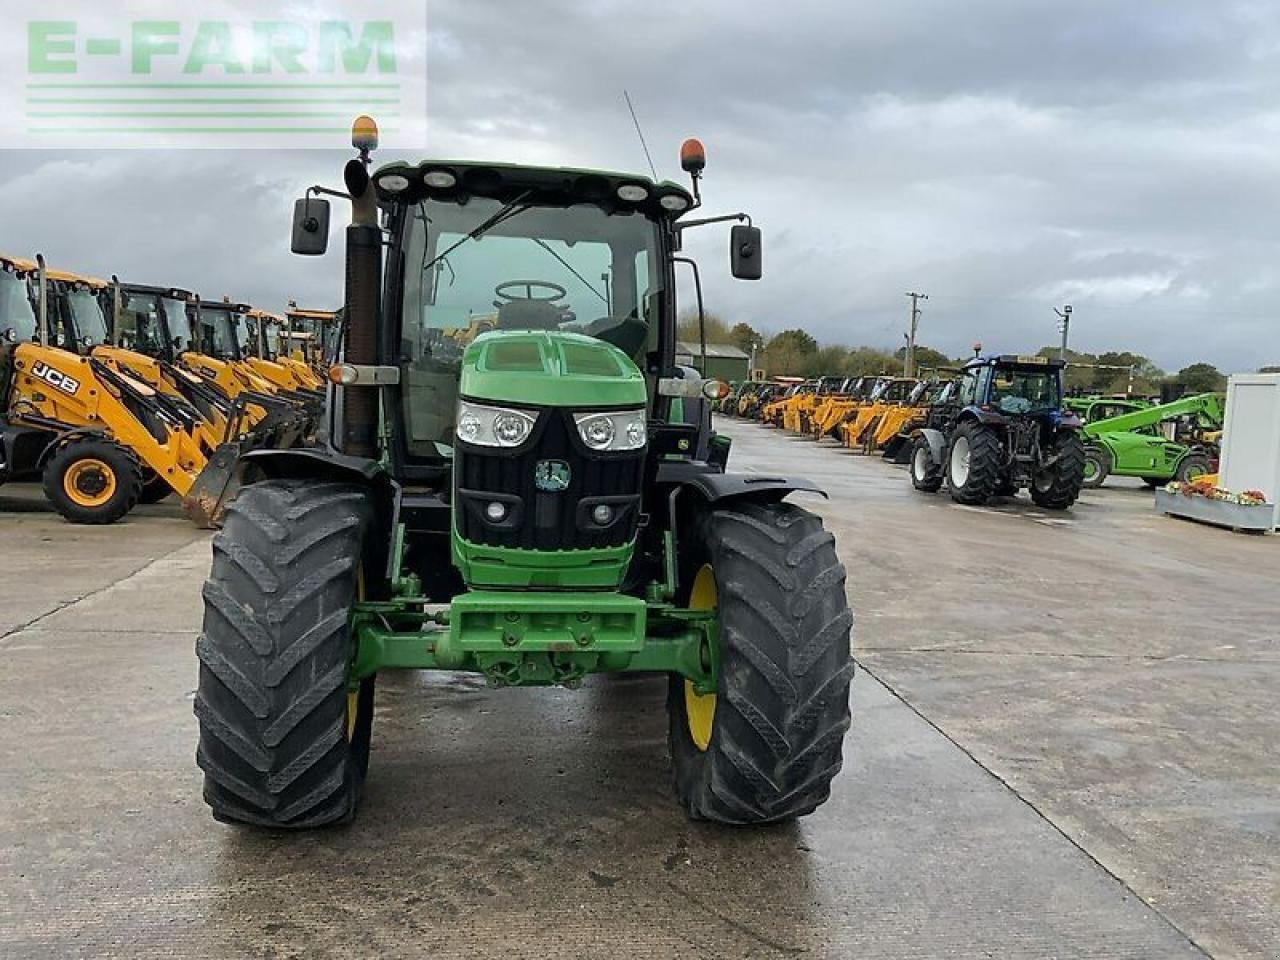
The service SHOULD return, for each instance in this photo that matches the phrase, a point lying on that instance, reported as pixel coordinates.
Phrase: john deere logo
(551, 476)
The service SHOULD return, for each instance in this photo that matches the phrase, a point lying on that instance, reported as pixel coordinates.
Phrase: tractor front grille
(539, 520)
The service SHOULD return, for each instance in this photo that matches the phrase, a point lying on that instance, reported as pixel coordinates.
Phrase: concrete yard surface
(1062, 747)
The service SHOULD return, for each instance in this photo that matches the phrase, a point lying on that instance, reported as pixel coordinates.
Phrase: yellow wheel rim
(89, 482)
(700, 708)
(353, 696)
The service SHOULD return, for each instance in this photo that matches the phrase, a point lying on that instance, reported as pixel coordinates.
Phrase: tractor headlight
(492, 426)
(612, 431)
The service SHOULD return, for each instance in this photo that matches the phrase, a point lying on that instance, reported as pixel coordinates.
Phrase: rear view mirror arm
(739, 217)
(325, 191)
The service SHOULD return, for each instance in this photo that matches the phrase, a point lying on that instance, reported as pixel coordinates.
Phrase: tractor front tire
(1059, 487)
(973, 464)
(925, 474)
(284, 743)
(765, 747)
(92, 481)
(1097, 466)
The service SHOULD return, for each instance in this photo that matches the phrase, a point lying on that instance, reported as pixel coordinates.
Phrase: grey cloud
(998, 154)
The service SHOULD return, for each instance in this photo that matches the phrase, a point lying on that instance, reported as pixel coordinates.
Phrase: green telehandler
(1170, 441)
(519, 482)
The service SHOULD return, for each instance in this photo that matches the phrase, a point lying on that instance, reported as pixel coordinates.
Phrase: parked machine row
(995, 426)
(116, 393)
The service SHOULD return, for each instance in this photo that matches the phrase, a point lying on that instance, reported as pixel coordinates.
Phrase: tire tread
(785, 669)
(274, 655)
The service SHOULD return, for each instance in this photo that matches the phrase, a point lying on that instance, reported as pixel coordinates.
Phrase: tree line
(796, 353)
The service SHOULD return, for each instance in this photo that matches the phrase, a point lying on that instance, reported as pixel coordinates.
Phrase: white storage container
(1251, 438)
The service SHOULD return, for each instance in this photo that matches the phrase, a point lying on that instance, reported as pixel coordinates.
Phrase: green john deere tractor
(519, 482)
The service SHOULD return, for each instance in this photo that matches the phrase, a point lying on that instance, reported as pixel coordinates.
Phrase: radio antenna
(640, 134)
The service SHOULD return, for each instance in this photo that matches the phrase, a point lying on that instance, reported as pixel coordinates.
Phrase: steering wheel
(557, 290)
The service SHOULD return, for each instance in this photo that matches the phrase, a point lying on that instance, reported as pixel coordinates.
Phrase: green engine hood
(543, 368)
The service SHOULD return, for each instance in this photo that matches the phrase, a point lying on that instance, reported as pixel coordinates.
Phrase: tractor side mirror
(310, 227)
(745, 255)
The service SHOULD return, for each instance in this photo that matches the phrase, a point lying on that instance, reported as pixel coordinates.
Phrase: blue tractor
(1006, 428)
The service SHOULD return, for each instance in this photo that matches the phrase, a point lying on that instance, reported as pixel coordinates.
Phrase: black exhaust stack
(363, 302)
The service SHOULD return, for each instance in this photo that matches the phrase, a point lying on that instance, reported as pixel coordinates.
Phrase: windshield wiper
(509, 210)
(569, 267)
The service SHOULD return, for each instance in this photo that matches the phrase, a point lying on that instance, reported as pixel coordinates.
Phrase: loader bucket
(216, 485)
(898, 449)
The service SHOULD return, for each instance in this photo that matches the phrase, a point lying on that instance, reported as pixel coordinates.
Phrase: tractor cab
(1014, 386)
(18, 323)
(220, 328)
(78, 310)
(154, 321)
(307, 333)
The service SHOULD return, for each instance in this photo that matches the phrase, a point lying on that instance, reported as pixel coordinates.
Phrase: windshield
(87, 316)
(270, 340)
(1023, 391)
(16, 312)
(179, 323)
(246, 336)
(575, 269)
(141, 329)
(217, 333)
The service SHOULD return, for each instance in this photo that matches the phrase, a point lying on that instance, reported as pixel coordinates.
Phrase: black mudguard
(716, 487)
(320, 463)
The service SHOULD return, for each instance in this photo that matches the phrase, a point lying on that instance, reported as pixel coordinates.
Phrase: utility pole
(909, 363)
(1065, 326)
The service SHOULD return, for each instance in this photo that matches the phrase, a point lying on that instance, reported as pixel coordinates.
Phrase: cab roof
(175, 293)
(227, 305)
(1016, 360)
(66, 276)
(308, 314)
(20, 264)
(63, 276)
(552, 186)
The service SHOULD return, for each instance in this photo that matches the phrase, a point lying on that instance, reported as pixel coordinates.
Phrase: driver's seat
(529, 315)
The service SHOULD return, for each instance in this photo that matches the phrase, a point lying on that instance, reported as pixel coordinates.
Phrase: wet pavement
(1022, 759)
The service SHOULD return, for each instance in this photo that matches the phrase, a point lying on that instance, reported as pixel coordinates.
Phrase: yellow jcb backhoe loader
(269, 357)
(860, 425)
(828, 419)
(86, 429)
(78, 321)
(774, 414)
(796, 417)
(894, 420)
(307, 332)
(221, 355)
(79, 304)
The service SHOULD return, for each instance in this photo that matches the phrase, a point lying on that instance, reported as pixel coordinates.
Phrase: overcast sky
(1003, 156)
